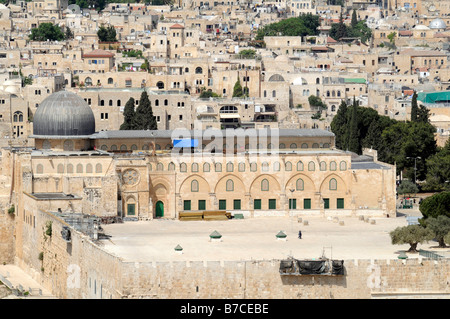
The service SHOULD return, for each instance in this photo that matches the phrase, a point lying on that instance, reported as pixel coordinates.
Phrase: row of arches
(253, 166)
(71, 169)
(263, 183)
(270, 146)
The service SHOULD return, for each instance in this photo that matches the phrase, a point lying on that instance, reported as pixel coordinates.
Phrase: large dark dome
(63, 114)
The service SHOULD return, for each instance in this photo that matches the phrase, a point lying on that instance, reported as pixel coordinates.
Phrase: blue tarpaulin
(185, 143)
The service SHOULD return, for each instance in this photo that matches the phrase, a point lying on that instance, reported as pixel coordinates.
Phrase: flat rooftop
(255, 239)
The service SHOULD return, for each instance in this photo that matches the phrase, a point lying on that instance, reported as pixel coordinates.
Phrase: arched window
(276, 166)
(241, 167)
(157, 102)
(293, 146)
(194, 186)
(288, 166)
(46, 145)
(299, 166)
(311, 166)
(80, 168)
(40, 169)
(299, 184)
(282, 146)
(69, 168)
(343, 166)
(123, 147)
(206, 167)
(253, 167)
(102, 102)
(265, 185)
(110, 81)
(159, 167)
(230, 167)
(18, 116)
(68, 145)
(218, 167)
(98, 168)
(305, 145)
(60, 168)
(171, 167)
(333, 184)
(194, 167)
(265, 167)
(198, 70)
(110, 103)
(89, 168)
(88, 81)
(160, 85)
(333, 166)
(315, 145)
(183, 167)
(323, 166)
(113, 147)
(230, 185)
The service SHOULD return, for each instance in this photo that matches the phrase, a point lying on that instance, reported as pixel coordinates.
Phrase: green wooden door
(307, 203)
(222, 204)
(340, 203)
(237, 204)
(131, 209)
(272, 204)
(159, 209)
(257, 204)
(326, 203)
(187, 205)
(202, 204)
(292, 203)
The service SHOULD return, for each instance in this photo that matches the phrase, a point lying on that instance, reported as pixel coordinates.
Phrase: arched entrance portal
(159, 209)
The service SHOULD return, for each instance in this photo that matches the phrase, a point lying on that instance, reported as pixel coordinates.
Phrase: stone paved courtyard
(246, 239)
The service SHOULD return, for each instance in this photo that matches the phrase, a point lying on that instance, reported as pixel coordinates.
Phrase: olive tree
(412, 235)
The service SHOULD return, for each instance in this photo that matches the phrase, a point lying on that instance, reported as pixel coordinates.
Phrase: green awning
(434, 97)
(355, 80)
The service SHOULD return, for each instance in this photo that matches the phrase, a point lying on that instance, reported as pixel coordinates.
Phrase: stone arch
(341, 185)
(203, 185)
(238, 184)
(308, 184)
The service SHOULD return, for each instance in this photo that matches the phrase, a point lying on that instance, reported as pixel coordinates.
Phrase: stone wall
(6, 237)
(82, 269)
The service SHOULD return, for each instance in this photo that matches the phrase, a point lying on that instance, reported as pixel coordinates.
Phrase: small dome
(438, 24)
(64, 114)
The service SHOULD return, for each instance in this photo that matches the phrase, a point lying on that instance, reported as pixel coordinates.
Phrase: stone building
(159, 174)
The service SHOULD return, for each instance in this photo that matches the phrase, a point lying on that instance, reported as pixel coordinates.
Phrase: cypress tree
(339, 126)
(354, 19)
(144, 114)
(237, 90)
(353, 136)
(129, 116)
(414, 108)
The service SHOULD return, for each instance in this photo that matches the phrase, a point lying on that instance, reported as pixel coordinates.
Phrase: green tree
(391, 36)
(129, 116)
(107, 34)
(407, 187)
(402, 142)
(302, 25)
(436, 205)
(414, 108)
(339, 126)
(247, 54)
(440, 226)
(339, 30)
(237, 89)
(423, 114)
(412, 235)
(47, 31)
(353, 135)
(354, 19)
(144, 118)
(438, 170)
